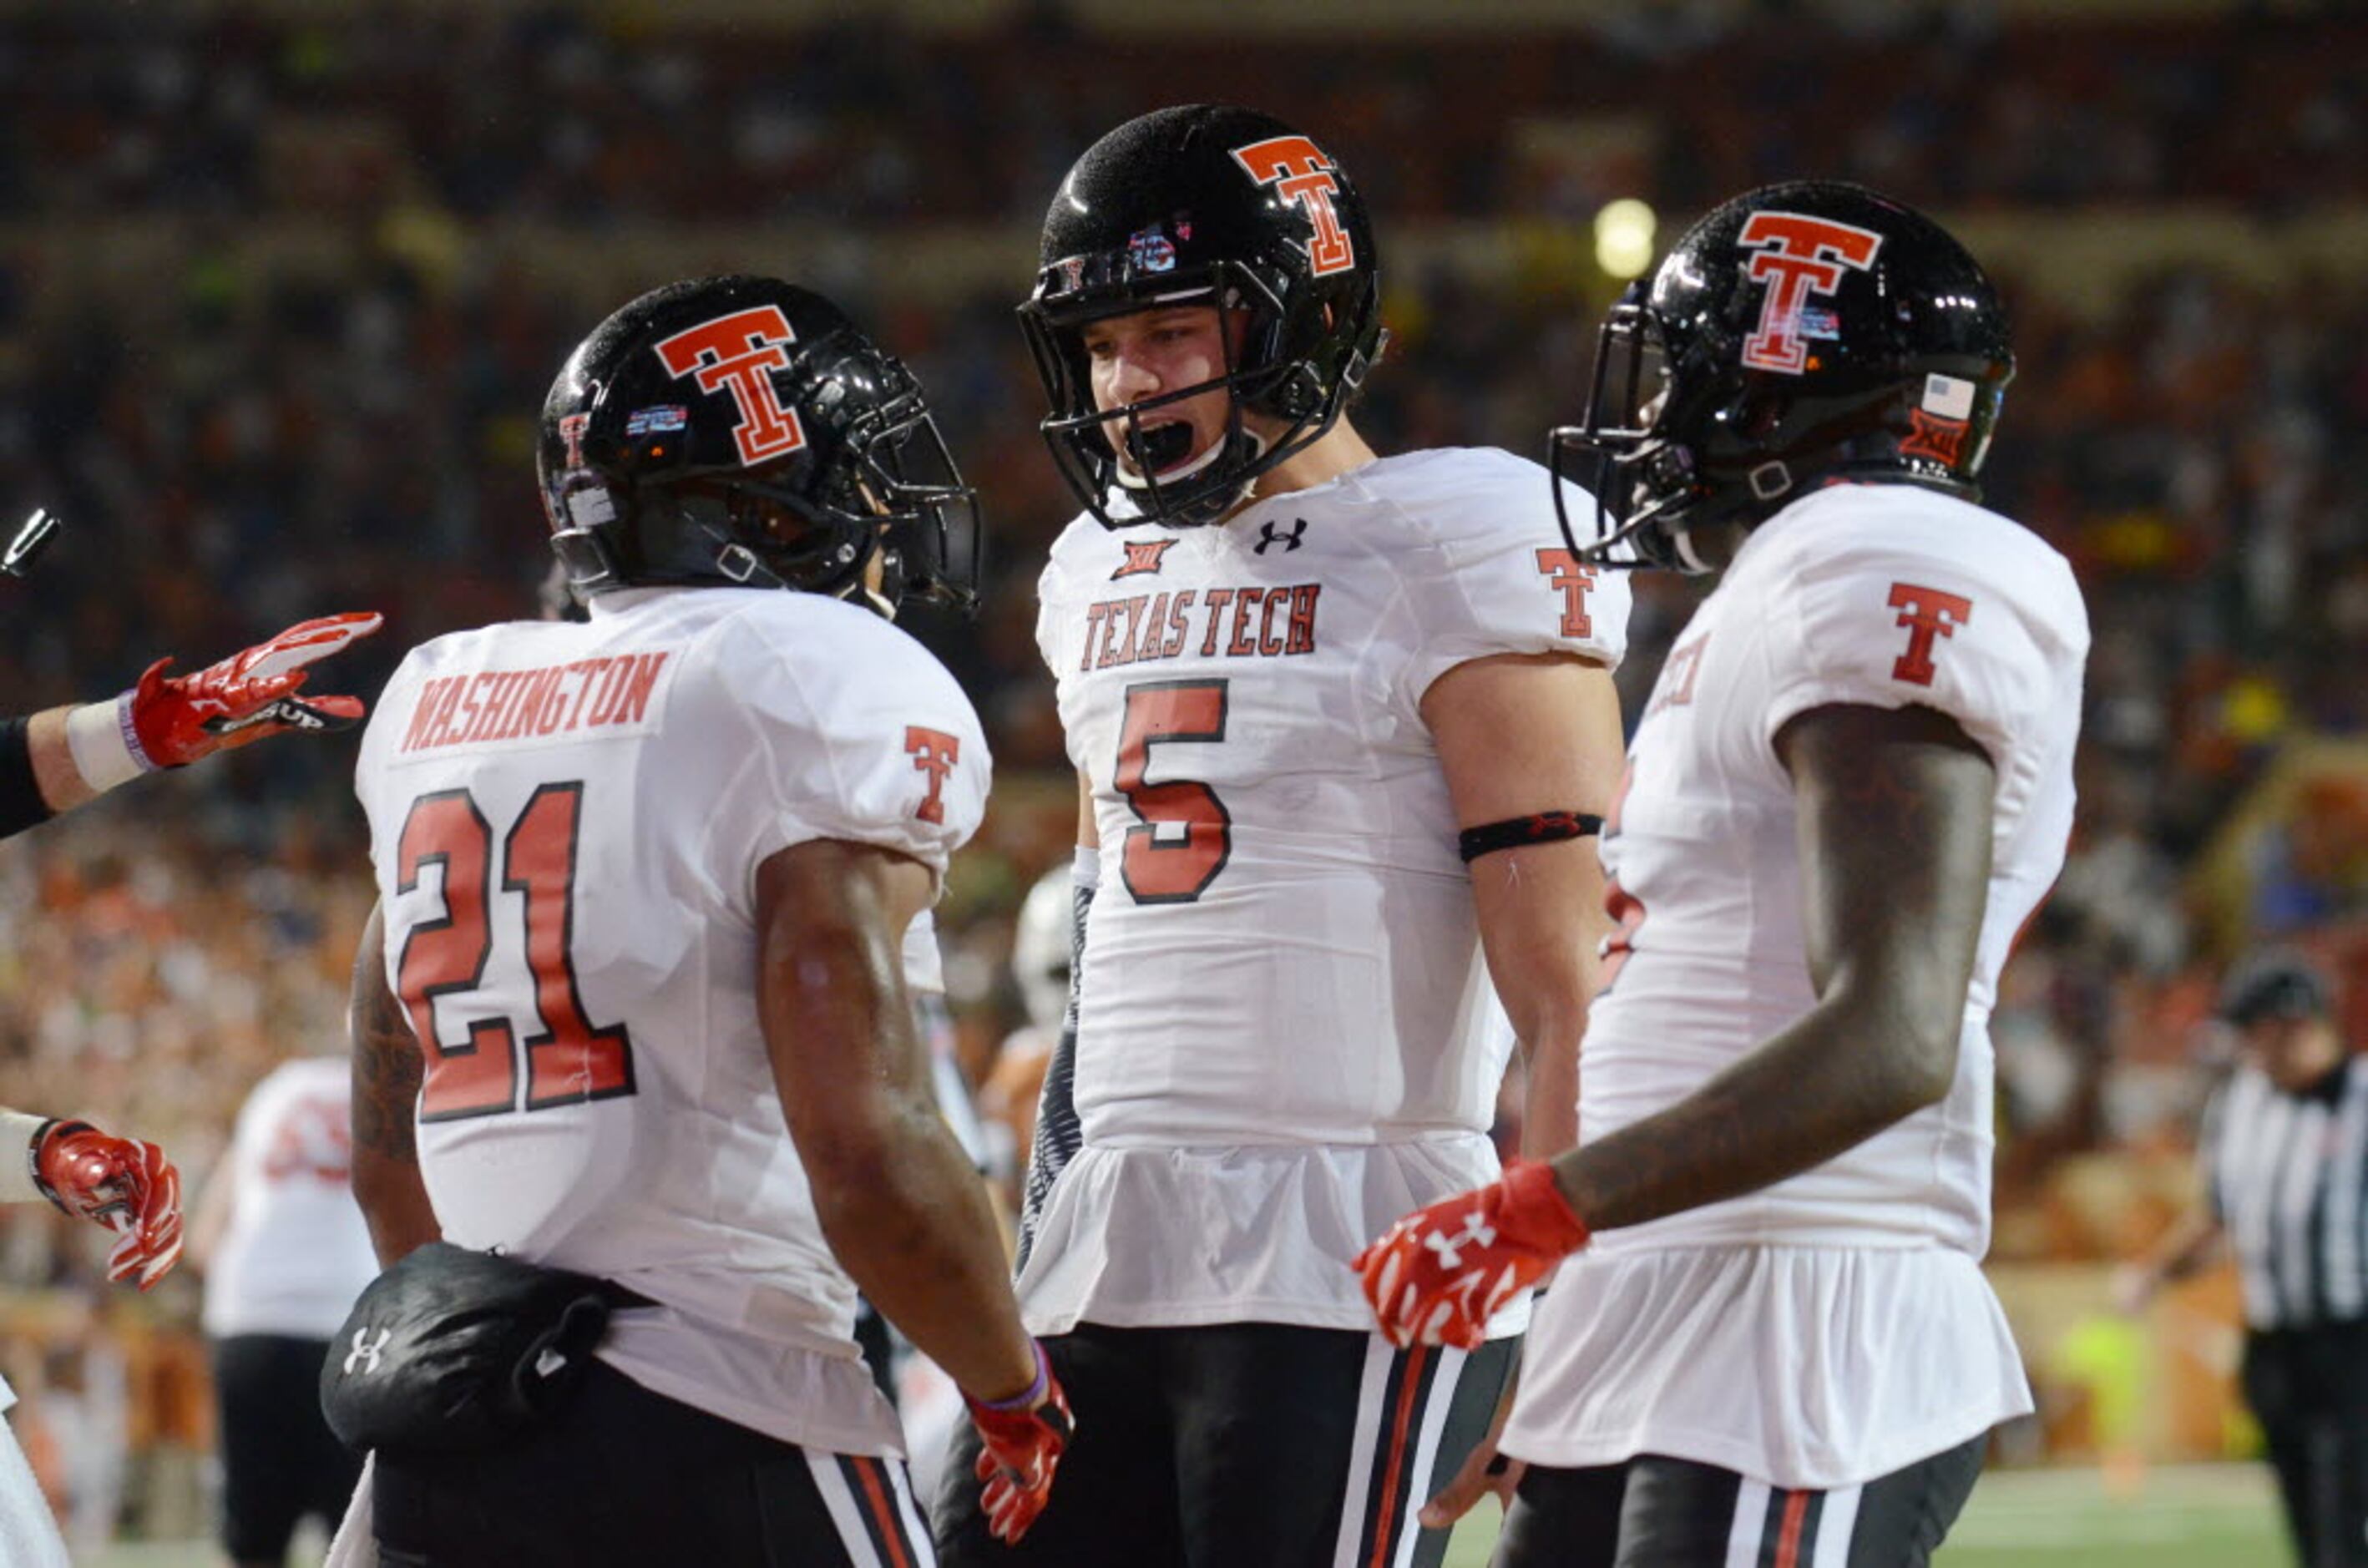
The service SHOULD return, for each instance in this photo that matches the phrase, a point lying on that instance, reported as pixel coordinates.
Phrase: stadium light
(1623, 237)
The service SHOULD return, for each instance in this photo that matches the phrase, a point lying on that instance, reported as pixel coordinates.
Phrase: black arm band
(21, 805)
(1539, 827)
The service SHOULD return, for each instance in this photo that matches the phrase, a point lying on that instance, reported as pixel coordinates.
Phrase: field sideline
(2179, 1516)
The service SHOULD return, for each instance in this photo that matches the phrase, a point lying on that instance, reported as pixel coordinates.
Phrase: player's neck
(1338, 452)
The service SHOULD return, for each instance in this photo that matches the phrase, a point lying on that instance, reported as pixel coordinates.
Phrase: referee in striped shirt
(2285, 1151)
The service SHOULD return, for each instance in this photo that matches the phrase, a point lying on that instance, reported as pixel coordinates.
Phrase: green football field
(2180, 1517)
(2185, 1517)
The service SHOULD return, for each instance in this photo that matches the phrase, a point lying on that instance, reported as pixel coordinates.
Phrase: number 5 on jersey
(570, 1060)
(1184, 835)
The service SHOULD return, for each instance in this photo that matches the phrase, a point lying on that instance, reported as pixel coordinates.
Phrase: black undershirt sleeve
(21, 805)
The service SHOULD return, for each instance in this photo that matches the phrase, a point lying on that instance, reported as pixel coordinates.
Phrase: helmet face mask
(741, 431)
(1799, 336)
(1205, 205)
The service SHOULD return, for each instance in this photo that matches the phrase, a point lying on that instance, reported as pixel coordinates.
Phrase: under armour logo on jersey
(739, 354)
(1803, 256)
(1142, 555)
(366, 1351)
(1303, 174)
(1476, 1232)
(1289, 541)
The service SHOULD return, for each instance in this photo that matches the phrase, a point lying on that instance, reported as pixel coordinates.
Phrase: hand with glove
(125, 1184)
(1439, 1275)
(172, 720)
(1023, 1438)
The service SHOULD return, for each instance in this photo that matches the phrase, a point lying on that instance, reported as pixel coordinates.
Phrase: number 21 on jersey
(569, 1060)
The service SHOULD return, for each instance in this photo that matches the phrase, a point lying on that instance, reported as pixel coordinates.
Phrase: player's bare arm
(1520, 735)
(1893, 812)
(387, 1071)
(898, 1200)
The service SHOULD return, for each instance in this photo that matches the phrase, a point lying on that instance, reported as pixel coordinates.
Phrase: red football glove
(125, 1184)
(1024, 1437)
(1439, 1275)
(178, 719)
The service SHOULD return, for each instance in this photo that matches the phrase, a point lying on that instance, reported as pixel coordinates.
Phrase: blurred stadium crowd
(280, 299)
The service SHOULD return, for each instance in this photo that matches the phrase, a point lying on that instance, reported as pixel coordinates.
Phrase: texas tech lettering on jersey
(1926, 613)
(1302, 173)
(508, 705)
(738, 353)
(1232, 623)
(1805, 257)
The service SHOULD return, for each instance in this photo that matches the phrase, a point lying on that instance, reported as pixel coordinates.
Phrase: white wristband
(1086, 870)
(106, 747)
(17, 1131)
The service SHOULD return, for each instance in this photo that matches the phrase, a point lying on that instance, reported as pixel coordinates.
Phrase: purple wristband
(1027, 1398)
(131, 734)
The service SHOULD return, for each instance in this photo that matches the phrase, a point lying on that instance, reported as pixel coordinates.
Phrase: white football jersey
(568, 822)
(1880, 595)
(296, 1252)
(1284, 954)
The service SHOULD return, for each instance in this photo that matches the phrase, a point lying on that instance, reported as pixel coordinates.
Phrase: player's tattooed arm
(386, 1076)
(1893, 811)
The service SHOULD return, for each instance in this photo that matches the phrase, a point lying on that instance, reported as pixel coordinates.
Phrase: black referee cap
(2274, 985)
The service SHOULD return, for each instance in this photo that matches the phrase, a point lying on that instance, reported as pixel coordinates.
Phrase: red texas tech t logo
(1300, 174)
(1929, 614)
(739, 353)
(1805, 256)
(934, 752)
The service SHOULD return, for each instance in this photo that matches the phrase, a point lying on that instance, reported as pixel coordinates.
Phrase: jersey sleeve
(1050, 617)
(1984, 639)
(1498, 577)
(860, 735)
(388, 711)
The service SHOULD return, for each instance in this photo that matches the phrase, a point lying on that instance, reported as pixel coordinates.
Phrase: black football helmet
(743, 432)
(1203, 203)
(1800, 334)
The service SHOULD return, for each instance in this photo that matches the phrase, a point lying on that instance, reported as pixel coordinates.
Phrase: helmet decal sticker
(571, 434)
(1803, 256)
(1303, 174)
(739, 353)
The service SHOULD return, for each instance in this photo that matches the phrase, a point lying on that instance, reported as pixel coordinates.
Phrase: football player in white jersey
(1769, 1341)
(633, 1005)
(51, 762)
(284, 1252)
(1340, 721)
